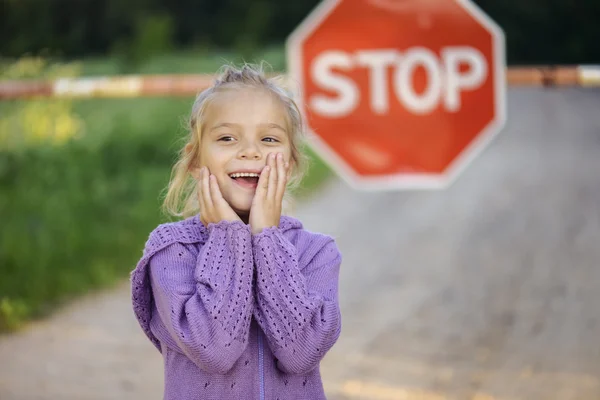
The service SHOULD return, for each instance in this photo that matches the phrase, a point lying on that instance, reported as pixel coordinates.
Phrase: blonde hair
(181, 197)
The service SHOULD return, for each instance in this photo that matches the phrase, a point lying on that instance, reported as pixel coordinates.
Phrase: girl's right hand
(213, 207)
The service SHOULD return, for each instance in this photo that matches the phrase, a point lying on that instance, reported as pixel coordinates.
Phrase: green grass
(74, 218)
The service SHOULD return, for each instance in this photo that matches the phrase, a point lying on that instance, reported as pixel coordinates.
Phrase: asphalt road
(486, 290)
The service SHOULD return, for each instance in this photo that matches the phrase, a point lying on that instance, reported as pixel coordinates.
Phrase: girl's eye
(225, 139)
(271, 140)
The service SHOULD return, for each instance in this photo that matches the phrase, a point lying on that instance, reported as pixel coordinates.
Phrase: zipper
(261, 372)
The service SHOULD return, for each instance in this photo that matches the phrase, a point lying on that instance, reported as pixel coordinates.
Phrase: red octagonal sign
(399, 93)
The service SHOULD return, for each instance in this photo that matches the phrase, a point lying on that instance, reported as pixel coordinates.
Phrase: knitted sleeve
(204, 298)
(297, 298)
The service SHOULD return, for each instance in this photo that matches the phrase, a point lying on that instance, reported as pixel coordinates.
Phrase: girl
(241, 301)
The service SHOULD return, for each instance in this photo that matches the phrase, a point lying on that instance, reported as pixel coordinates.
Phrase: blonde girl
(241, 300)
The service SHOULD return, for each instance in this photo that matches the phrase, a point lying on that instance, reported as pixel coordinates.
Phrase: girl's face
(240, 128)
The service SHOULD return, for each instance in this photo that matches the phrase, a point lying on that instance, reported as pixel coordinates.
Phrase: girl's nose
(250, 152)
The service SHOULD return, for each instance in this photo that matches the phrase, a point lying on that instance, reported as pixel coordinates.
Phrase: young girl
(241, 301)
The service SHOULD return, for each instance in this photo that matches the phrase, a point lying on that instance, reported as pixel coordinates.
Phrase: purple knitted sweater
(236, 315)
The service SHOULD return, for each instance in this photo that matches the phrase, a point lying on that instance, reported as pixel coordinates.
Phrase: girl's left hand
(266, 205)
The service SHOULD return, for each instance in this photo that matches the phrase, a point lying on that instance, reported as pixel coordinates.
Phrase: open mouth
(245, 179)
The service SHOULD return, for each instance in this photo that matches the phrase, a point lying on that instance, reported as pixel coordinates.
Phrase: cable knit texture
(236, 315)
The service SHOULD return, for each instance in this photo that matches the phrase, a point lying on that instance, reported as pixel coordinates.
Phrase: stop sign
(399, 93)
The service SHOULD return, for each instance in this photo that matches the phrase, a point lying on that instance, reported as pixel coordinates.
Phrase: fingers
(263, 182)
(215, 191)
(278, 177)
(281, 178)
(273, 175)
(199, 192)
(220, 204)
(205, 193)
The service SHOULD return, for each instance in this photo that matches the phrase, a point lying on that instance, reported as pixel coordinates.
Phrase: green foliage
(252, 34)
(38, 120)
(152, 36)
(548, 31)
(317, 173)
(12, 313)
(538, 31)
(74, 217)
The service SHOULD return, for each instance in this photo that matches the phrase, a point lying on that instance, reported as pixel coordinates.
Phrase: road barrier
(191, 84)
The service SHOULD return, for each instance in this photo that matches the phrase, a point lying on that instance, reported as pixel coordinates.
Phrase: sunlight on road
(375, 391)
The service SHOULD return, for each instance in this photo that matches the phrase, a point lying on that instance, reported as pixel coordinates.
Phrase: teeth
(244, 174)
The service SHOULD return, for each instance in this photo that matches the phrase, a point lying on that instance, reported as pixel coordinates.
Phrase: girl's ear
(194, 169)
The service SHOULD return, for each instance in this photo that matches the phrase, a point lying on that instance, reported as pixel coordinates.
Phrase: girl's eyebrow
(270, 125)
(224, 125)
(273, 125)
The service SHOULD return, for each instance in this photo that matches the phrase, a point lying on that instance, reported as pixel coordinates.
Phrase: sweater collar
(286, 223)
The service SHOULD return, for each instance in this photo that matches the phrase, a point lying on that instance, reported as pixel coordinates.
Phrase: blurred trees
(548, 31)
(538, 31)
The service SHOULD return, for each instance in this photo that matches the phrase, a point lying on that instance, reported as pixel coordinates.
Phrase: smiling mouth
(248, 180)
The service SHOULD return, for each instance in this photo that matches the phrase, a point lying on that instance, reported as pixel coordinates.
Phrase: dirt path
(488, 290)
(92, 349)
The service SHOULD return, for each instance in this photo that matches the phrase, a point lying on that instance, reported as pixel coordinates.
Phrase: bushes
(74, 218)
(538, 31)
